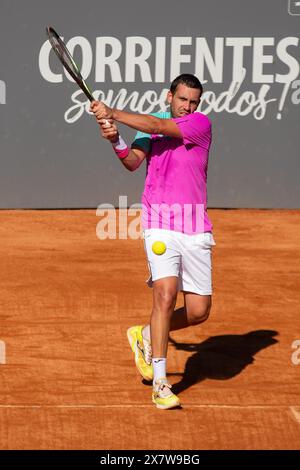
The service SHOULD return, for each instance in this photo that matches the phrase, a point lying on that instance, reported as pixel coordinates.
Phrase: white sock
(159, 367)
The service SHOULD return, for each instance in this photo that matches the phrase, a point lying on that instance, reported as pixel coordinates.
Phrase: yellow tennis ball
(159, 248)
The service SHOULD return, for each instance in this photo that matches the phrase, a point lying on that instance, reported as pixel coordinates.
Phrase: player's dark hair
(188, 80)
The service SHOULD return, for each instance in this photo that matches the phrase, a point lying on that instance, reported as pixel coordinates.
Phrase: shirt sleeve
(195, 129)
(142, 139)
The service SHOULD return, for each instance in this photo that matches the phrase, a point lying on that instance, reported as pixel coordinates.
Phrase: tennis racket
(69, 63)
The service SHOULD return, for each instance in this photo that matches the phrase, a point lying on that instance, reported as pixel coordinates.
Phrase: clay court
(68, 379)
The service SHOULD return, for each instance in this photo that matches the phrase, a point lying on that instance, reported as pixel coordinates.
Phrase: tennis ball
(159, 248)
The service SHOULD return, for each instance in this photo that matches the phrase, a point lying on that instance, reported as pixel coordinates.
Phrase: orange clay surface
(67, 374)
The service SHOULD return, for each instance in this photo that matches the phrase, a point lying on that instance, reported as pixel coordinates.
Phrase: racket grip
(107, 123)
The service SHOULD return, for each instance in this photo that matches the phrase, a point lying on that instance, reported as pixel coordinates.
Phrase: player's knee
(165, 299)
(200, 314)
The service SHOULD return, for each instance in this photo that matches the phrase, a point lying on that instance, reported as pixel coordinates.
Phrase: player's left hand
(101, 111)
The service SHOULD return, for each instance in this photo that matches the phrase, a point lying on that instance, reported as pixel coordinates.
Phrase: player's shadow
(221, 357)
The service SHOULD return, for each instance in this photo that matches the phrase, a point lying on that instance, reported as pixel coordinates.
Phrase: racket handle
(107, 124)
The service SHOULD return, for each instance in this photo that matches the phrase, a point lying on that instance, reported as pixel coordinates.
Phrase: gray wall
(47, 162)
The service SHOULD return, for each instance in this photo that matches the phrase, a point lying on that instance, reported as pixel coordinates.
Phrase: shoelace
(163, 389)
(162, 385)
(147, 351)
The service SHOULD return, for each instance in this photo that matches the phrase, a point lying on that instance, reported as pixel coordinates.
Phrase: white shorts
(187, 257)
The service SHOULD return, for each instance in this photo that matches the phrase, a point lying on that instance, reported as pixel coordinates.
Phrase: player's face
(184, 101)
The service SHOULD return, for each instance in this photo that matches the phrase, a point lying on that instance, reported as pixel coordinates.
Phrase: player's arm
(134, 159)
(147, 124)
(140, 122)
(130, 158)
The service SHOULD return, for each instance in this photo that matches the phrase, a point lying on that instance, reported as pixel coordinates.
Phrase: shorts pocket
(203, 240)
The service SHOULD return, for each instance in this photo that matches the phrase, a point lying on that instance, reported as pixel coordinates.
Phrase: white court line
(185, 405)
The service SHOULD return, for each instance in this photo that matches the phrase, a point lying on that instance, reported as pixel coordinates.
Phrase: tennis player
(176, 148)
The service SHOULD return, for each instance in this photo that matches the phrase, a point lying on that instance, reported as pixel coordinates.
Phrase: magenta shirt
(175, 193)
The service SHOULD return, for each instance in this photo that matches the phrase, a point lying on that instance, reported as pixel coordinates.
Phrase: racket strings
(63, 53)
(67, 60)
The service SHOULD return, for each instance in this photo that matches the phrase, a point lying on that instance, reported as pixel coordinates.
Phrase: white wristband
(120, 144)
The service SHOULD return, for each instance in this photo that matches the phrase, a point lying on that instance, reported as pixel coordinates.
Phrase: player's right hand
(109, 130)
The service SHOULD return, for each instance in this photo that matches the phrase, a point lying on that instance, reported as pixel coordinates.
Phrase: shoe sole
(166, 407)
(132, 341)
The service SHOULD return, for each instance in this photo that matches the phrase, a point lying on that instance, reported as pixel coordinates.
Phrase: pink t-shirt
(175, 194)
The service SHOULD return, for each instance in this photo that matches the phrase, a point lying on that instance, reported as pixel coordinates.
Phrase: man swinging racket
(177, 231)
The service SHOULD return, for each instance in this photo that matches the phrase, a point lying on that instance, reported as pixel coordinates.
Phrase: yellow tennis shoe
(142, 352)
(162, 396)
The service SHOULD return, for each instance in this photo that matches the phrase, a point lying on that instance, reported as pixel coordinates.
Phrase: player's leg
(195, 281)
(164, 300)
(162, 267)
(195, 311)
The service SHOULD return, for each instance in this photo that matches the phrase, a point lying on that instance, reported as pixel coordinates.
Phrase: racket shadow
(221, 357)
